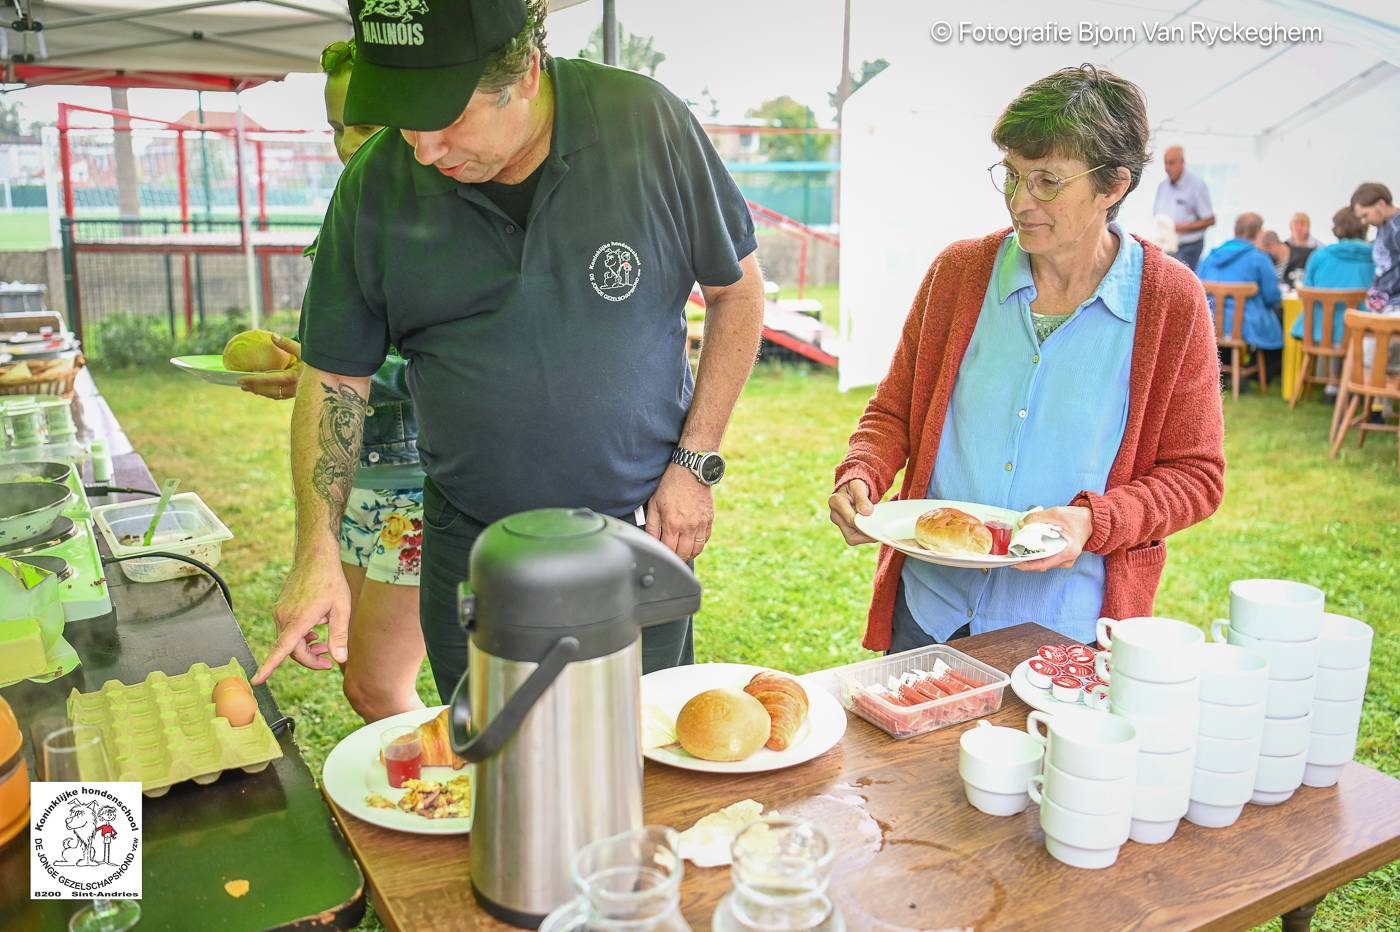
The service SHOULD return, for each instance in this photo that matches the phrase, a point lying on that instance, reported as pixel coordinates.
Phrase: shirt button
(969, 613)
(1021, 413)
(985, 571)
(1008, 467)
(1035, 358)
(373, 457)
(369, 412)
(510, 228)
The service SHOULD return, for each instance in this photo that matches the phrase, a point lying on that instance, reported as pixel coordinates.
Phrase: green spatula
(167, 489)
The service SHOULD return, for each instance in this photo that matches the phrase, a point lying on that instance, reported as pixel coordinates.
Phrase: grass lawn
(24, 229)
(783, 590)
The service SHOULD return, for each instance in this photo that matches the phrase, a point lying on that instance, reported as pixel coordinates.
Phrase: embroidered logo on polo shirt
(403, 32)
(615, 271)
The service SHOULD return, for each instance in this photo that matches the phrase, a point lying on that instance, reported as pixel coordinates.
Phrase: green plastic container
(163, 731)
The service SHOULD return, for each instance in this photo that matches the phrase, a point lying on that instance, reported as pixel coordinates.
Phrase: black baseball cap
(417, 62)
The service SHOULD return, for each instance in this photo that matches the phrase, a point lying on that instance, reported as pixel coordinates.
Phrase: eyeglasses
(1042, 185)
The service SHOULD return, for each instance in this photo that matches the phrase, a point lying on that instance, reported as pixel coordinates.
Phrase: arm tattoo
(339, 434)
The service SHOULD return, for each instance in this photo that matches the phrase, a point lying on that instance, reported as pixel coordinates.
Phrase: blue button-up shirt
(1031, 424)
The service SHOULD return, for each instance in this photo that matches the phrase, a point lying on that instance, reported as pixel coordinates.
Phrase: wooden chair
(1322, 303)
(1240, 292)
(1365, 384)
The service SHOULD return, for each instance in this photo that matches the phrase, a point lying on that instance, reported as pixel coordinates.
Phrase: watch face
(712, 468)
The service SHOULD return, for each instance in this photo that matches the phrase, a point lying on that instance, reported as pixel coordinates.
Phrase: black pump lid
(541, 575)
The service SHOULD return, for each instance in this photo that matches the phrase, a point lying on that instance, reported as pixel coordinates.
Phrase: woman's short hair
(1086, 113)
(338, 57)
(1372, 192)
(1345, 225)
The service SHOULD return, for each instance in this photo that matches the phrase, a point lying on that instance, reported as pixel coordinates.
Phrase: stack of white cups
(1153, 668)
(1234, 690)
(1086, 792)
(1344, 658)
(1280, 621)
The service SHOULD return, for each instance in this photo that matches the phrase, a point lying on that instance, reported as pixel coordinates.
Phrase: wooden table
(915, 855)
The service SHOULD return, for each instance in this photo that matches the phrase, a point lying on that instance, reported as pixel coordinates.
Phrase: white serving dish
(188, 527)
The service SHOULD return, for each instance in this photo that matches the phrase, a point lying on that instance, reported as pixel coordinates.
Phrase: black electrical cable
(100, 490)
(218, 580)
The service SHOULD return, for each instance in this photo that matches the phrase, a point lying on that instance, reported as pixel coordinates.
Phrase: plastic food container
(900, 721)
(188, 527)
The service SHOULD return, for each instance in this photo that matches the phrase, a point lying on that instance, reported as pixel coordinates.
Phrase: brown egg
(232, 682)
(235, 705)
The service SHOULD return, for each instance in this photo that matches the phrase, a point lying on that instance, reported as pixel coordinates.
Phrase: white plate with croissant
(948, 533)
(736, 718)
(354, 776)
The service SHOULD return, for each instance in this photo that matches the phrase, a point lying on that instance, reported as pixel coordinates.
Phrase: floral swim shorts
(383, 531)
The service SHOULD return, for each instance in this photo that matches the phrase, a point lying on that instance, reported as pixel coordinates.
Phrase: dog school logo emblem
(615, 271)
(403, 32)
(85, 840)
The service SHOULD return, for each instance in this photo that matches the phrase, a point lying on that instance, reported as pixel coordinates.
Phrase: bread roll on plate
(723, 725)
(948, 530)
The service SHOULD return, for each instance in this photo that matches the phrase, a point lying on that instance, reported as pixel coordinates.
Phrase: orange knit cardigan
(1169, 472)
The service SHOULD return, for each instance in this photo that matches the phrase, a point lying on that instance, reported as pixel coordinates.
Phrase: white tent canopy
(1279, 129)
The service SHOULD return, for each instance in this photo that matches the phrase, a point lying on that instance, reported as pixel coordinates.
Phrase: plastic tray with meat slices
(921, 690)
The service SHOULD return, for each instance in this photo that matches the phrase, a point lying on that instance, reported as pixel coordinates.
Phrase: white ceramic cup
(1231, 675)
(1161, 803)
(1336, 685)
(1284, 737)
(1280, 774)
(1165, 769)
(1146, 832)
(1322, 775)
(1222, 789)
(1346, 642)
(1262, 798)
(1225, 755)
(1331, 717)
(1095, 832)
(1157, 650)
(1276, 609)
(1331, 750)
(1128, 692)
(1208, 816)
(1080, 794)
(1084, 858)
(1086, 743)
(996, 804)
(1290, 698)
(1237, 722)
(998, 760)
(1163, 734)
(1288, 660)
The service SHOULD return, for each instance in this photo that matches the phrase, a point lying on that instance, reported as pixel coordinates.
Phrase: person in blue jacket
(1239, 260)
(1346, 263)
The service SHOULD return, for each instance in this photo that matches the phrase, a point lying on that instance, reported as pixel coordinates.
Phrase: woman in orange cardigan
(1060, 361)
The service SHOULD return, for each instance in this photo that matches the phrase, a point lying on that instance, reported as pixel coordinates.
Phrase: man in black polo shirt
(526, 234)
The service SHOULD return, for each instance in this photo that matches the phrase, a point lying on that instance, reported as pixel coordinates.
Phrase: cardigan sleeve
(879, 448)
(1186, 483)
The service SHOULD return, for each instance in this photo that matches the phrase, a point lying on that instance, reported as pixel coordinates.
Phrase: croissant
(786, 702)
(437, 745)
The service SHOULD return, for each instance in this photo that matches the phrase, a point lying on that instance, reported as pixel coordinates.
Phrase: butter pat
(658, 728)
(707, 842)
(21, 649)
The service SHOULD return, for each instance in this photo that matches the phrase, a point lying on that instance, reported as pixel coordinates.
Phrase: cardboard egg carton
(163, 730)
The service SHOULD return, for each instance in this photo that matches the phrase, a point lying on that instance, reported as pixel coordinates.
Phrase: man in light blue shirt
(1184, 197)
(1037, 417)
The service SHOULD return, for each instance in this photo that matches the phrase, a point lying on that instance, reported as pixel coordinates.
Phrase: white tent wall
(916, 139)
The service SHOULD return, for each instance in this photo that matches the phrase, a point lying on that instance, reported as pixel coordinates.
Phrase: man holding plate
(1060, 361)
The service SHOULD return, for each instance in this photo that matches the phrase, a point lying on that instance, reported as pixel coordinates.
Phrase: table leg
(1300, 919)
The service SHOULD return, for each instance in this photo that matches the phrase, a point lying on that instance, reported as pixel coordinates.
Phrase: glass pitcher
(630, 881)
(781, 871)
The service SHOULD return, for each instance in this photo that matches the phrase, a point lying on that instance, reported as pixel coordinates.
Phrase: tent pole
(610, 32)
(250, 266)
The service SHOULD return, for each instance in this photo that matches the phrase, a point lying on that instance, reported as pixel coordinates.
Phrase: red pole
(802, 268)
(262, 186)
(65, 160)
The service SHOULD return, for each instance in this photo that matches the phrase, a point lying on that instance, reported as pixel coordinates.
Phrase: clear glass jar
(25, 424)
(781, 871)
(58, 416)
(630, 881)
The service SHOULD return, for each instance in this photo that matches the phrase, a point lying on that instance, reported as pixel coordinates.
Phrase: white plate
(892, 524)
(1034, 696)
(672, 688)
(211, 369)
(352, 771)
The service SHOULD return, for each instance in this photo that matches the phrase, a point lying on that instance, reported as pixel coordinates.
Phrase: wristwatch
(708, 467)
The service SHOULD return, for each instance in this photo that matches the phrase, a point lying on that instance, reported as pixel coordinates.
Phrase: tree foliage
(795, 147)
(634, 52)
